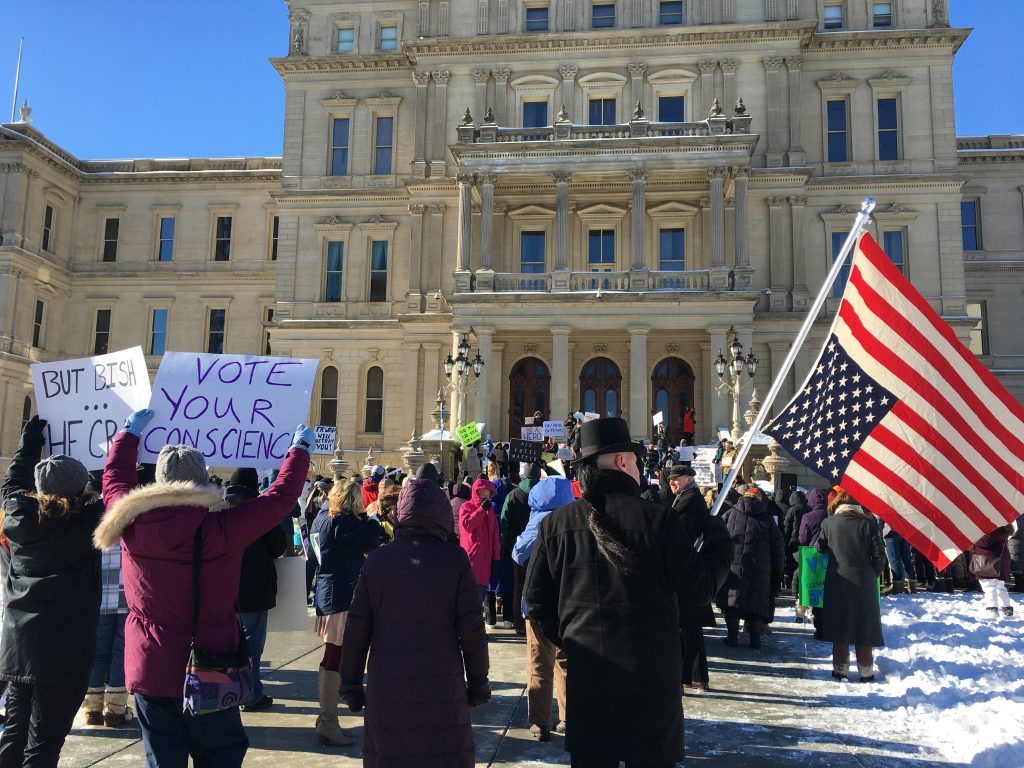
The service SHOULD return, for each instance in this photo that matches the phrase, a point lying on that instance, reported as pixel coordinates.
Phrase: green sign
(813, 565)
(468, 433)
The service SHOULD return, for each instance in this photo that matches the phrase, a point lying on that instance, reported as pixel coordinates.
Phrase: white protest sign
(588, 416)
(709, 474)
(532, 433)
(238, 410)
(553, 429)
(325, 437)
(658, 418)
(86, 401)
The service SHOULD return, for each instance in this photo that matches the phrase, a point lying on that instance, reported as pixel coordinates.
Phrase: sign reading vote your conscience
(468, 433)
(813, 565)
(237, 410)
(325, 437)
(86, 401)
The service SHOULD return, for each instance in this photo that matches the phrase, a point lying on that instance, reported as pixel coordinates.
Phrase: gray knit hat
(61, 476)
(179, 463)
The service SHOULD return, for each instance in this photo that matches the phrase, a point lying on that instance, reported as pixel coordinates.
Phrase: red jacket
(478, 533)
(156, 525)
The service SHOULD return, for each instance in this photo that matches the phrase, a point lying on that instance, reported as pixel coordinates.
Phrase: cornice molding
(383, 62)
(889, 39)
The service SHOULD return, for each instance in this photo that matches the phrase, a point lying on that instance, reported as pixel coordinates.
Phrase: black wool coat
(791, 523)
(53, 584)
(856, 558)
(758, 560)
(620, 630)
(257, 589)
(694, 515)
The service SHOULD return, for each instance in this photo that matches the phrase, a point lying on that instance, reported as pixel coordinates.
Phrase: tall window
(383, 143)
(346, 39)
(670, 12)
(881, 14)
(672, 250)
(266, 332)
(101, 342)
(537, 19)
(26, 411)
(970, 225)
(215, 336)
(893, 245)
(601, 250)
(37, 325)
(535, 114)
(165, 251)
(374, 421)
(888, 130)
(339, 147)
(602, 16)
(275, 230)
(48, 228)
(671, 109)
(838, 238)
(329, 397)
(111, 227)
(379, 270)
(158, 332)
(531, 252)
(335, 263)
(979, 333)
(837, 132)
(388, 37)
(222, 239)
(834, 16)
(602, 111)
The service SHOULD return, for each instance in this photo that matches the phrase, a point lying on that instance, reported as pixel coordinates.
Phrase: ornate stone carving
(741, 172)
(716, 109)
(331, 221)
(740, 110)
(842, 210)
(500, 207)
(638, 111)
(730, 66)
(481, 75)
(467, 118)
(939, 13)
(719, 172)
(561, 177)
(487, 178)
(890, 75)
(776, 202)
(475, 208)
(637, 174)
(795, 63)
(502, 74)
(772, 63)
(707, 66)
(600, 347)
(436, 209)
(529, 347)
(568, 71)
(441, 76)
(636, 68)
(465, 178)
(421, 78)
(797, 200)
(377, 219)
(417, 209)
(672, 348)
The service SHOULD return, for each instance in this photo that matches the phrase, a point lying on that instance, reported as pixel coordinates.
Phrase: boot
(115, 709)
(327, 728)
(896, 588)
(867, 674)
(733, 631)
(947, 586)
(508, 611)
(911, 586)
(1008, 610)
(92, 707)
(492, 609)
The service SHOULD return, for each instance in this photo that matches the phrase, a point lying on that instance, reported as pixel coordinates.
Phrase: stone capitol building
(598, 195)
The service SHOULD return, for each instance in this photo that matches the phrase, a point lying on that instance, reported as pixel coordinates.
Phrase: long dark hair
(610, 539)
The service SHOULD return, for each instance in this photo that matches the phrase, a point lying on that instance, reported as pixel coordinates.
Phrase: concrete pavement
(774, 707)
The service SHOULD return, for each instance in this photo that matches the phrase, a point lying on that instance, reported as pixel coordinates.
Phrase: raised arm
(20, 474)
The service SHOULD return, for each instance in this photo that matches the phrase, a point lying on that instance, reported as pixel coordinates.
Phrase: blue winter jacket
(344, 541)
(547, 495)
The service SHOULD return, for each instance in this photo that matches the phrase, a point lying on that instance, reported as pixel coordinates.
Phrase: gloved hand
(486, 504)
(305, 438)
(34, 426)
(478, 694)
(137, 422)
(354, 696)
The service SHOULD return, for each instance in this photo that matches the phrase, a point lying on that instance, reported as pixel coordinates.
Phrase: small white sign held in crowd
(86, 401)
(238, 410)
(554, 429)
(325, 437)
(588, 416)
(659, 417)
(532, 433)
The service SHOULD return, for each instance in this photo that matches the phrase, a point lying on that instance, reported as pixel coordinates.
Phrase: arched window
(26, 411)
(672, 389)
(374, 400)
(329, 397)
(600, 387)
(528, 384)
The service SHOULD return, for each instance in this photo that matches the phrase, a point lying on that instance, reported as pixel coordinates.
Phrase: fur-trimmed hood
(149, 497)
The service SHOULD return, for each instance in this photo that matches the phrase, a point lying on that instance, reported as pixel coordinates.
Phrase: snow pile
(954, 676)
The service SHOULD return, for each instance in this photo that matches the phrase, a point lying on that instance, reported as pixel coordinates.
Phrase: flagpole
(862, 219)
(17, 79)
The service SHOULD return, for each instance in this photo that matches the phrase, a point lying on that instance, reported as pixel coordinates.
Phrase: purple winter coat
(810, 523)
(994, 545)
(416, 612)
(156, 525)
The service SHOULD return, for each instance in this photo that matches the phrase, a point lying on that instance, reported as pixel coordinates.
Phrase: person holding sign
(53, 599)
(851, 613)
(161, 528)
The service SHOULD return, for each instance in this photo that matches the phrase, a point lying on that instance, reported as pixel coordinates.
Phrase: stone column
(719, 276)
(463, 243)
(777, 351)
(779, 263)
(485, 275)
(438, 158)
(567, 92)
(419, 163)
(707, 86)
(431, 382)
(501, 77)
(729, 67)
(639, 384)
(417, 278)
(636, 84)
(638, 224)
(482, 410)
(741, 178)
(433, 281)
(562, 179)
(773, 91)
(796, 155)
(559, 372)
(480, 78)
(721, 415)
(410, 364)
(801, 296)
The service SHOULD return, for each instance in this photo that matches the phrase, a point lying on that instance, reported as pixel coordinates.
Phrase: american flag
(903, 416)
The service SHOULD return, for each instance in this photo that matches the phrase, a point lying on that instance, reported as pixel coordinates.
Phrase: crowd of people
(146, 580)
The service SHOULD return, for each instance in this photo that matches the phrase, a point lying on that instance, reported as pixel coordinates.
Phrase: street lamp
(730, 376)
(457, 369)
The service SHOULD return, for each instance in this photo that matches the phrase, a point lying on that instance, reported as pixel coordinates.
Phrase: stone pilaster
(796, 156)
(719, 276)
(419, 163)
(482, 409)
(416, 271)
(485, 275)
(778, 256)
(562, 179)
(801, 296)
(463, 243)
(729, 67)
(638, 208)
(438, 163)
(567, 90)
(636, 72)
(431, 383)
(707, 84)
(410, 364)
(773, 90)
(559, 372)
(501, 76)
(639, 384)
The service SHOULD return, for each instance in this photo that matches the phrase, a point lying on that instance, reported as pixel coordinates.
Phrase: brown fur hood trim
(149, 497)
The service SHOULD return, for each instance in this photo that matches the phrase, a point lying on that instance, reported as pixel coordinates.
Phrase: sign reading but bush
(238, 410)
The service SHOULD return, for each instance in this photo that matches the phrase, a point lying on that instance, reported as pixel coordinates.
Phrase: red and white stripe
(946, 465)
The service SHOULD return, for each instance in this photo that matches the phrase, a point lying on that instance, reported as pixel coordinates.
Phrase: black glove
(34, 427)
(478, 694)
(354, 696)
(486, 504)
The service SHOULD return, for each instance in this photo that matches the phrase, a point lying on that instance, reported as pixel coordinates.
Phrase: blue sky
(137, 78)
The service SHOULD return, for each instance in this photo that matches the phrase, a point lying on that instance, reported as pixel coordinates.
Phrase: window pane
(887, 114)
(892, 244)
(215, 343)
(888, 130)
(590, 401)
(838, 238)
(611, 402)
(537, 19)
(601, 247)
(382, 157)
(389, 38)
(222, 249)
(275, 229)
(535, 114)
(602, 16)
(602, 111)
(47, 227)
(671, 250)
(346, 40)
(37, 325)
(158, 338)
(339, 147)
(110, 230)
(969, 225)
(335, 264)
(329, 397)
(166, 252)
(836, 117)
(882, 14)
(670, 109)
(531, 252)
(670, 13)
(379, 270)
(833, 17)
(374, 400)
(101, 342)
(375, 382)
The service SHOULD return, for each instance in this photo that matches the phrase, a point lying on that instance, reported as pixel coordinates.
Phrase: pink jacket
(156, 525)
(478, 533)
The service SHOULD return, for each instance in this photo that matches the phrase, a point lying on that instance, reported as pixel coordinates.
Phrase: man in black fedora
(604, 582)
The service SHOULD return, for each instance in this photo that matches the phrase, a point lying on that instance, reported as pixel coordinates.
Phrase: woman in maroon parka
(416, 608)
